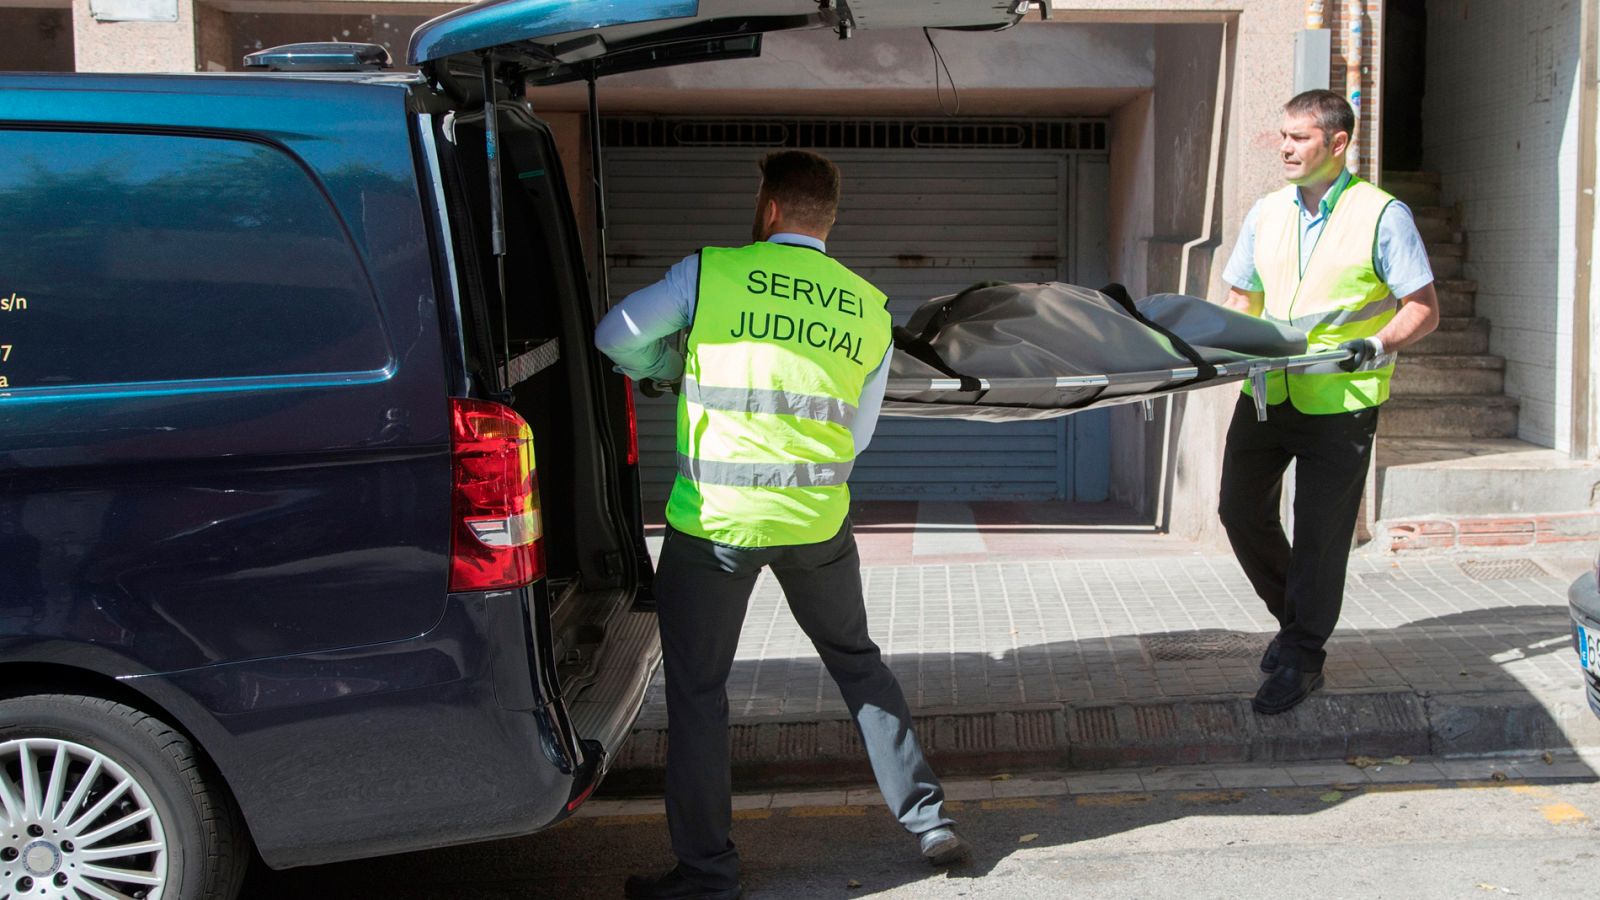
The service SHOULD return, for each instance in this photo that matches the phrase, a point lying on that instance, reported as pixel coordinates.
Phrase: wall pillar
(134, 46)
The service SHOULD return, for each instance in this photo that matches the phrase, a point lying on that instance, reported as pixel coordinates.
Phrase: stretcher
(1144, 387)
(1012, 352)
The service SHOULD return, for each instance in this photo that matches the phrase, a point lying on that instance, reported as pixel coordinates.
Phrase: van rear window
(132, 258)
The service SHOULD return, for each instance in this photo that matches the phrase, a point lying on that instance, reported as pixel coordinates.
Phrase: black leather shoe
(1269, 659)
(943, 847)
(674, 885)
(1285, 689)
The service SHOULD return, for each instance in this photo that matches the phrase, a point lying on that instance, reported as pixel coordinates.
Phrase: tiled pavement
(984, 636)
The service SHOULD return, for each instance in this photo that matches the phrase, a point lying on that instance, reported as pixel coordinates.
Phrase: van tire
(208, 848)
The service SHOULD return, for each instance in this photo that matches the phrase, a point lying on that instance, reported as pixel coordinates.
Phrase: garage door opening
(929, 207)
(37, 39)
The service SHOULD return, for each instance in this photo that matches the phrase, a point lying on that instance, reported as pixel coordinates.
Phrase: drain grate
(1179, 646)
(1501, 569)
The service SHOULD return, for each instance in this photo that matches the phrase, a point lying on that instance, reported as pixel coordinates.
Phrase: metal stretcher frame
(1253, 370)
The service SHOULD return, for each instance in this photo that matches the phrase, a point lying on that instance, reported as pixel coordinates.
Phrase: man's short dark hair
(805, 184)
(1332, 112)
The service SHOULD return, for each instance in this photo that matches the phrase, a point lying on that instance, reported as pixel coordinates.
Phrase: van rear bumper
(446, 738)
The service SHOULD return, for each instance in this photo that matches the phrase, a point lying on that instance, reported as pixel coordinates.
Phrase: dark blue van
(320, 529)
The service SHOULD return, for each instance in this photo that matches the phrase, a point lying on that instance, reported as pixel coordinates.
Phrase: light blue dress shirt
(636, 334)
(1401, 258)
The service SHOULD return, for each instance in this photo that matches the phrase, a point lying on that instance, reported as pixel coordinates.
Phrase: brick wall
(1500, 125)
(1338, 21)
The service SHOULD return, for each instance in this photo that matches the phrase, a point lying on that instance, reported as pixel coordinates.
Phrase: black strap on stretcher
(1204, 370)
(919, 346)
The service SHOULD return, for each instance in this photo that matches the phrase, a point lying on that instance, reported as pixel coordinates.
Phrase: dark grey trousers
(702, 590)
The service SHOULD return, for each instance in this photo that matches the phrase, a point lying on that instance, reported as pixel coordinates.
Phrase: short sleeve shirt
(1401, 258)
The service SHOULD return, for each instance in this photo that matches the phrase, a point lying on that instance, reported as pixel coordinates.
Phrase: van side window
(130, 258)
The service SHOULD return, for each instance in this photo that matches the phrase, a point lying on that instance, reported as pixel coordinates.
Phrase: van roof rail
(320, 56)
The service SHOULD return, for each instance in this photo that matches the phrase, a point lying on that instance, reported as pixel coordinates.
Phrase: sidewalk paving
(1084, 664)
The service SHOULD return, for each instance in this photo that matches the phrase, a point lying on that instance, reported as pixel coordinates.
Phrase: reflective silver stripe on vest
(778, 475)
(778, 403)
(1337, 317)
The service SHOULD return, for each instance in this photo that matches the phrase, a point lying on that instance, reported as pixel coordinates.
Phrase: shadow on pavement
(1481, 680)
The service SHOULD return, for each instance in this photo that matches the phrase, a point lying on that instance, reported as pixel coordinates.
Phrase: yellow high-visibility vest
(1339, 297)
(782, 343)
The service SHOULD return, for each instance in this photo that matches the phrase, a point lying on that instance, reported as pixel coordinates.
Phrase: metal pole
(1352, 78)
(602, 274)
(497, 224)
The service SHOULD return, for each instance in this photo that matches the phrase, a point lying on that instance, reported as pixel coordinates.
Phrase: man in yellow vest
(1342, 261)
(780, 387)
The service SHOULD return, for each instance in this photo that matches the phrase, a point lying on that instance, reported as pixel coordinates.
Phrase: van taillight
(633, 425)
(496, 539)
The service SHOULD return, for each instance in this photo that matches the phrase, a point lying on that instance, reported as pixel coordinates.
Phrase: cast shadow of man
(1469, 682)
(1476, 682)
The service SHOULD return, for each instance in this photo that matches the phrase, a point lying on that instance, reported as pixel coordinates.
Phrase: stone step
(1422, 175)
(1436, 232)
(1455, 336)
(1437, 224)
(1425, 416)
(1482, 476)
(1416, 189)
(1439, 374)
(1457, 299)
(1446, 260)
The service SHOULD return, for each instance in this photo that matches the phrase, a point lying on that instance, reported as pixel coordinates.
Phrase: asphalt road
(1445, 839)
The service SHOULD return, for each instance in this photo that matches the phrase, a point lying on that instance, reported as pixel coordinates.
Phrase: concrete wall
(1586, 322)
(1161, 151)
(36, 40)
(1261, 56)
(1099, 57)
(134, 46)
(1134, 473)
(1586, 300)
(1041, 69)
(1500, 124)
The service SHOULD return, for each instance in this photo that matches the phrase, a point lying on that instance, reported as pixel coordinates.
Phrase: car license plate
(1589, 650)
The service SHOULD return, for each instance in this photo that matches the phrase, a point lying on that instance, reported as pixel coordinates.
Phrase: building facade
(1119, 140)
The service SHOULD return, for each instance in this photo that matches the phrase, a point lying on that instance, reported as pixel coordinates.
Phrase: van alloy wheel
(75, 824)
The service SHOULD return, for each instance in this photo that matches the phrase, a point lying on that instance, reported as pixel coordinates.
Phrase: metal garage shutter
(918, 224)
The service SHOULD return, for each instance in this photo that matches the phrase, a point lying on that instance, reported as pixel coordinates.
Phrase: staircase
(1447, 386)
(1451, 473)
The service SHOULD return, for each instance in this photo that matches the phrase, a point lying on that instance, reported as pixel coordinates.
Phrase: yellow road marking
(822, 812)
(748, 814)
(1398, 787)
(612, 821)
(1013, 803)
(1489, 784)
(1562, 814)
(1210, 796)
(1123, 799)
